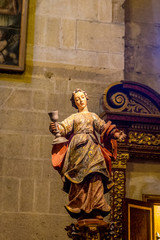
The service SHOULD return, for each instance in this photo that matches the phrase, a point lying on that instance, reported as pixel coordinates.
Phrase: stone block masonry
(80, 33)
(143, 42)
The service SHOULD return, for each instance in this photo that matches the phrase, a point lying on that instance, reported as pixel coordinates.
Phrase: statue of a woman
(86, 167)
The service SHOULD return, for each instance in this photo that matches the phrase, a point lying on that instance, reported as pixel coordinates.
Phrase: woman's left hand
(120, 135)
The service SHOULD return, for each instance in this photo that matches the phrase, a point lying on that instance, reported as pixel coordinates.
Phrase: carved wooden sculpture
(86, 166)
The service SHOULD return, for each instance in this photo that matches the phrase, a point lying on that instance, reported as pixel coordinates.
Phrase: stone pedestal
(90, 229)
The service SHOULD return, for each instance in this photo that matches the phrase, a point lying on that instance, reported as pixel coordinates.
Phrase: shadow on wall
(142, 44)
(138, 183)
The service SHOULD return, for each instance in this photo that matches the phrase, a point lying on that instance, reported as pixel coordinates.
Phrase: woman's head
(78, 90)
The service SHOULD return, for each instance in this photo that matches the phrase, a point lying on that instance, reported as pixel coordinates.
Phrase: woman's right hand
(53, 127)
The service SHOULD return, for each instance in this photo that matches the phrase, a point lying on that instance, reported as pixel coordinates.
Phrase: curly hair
(73, 93)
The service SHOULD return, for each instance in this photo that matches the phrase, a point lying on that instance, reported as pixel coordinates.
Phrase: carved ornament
(141, 138)
(121, 160)
(116, 196)
(90, 229)
(129, 98)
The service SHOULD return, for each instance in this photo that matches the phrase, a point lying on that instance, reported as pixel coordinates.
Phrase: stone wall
(142, 52)
(73, 43)
(79, 34)
(142, 178)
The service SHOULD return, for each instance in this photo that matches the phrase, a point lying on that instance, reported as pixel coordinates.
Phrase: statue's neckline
(83, 112)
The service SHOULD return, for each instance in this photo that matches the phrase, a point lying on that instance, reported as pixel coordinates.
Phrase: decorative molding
(90, 229)
(147, 127)
(116, 196)
(146, 139)
(145, 106)
(121, 160)
(118, 98)
(139, 156)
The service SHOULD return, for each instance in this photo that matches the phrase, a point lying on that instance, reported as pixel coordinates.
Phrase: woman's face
(80, 100)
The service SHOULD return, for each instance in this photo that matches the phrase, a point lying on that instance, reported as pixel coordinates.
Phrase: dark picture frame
(13, 28)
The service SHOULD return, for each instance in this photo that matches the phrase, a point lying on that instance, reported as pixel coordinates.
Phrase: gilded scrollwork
(121, 160)
(144, 138)
(135, 107)
(121, 102)
(118, 99)
(117, 102)
(145, 106)
(117, 194)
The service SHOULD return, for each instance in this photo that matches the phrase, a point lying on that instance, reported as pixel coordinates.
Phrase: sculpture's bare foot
(99, 217)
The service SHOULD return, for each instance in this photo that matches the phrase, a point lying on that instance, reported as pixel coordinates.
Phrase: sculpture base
(90, 229)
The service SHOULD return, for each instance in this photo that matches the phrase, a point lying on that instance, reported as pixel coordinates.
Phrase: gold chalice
(58, 138)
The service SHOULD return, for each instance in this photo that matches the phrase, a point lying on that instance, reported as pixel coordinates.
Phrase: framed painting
(13, 28)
